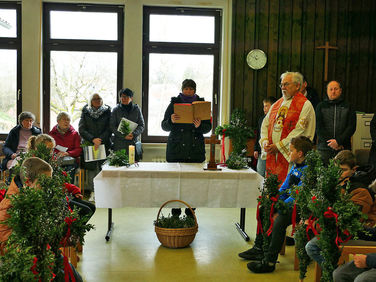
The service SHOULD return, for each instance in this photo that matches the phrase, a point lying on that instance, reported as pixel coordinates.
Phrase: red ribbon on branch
(274, 200)
(311, 226)
(34, 267)
(331, 214)
(223, 151)
(68, 272)
(259, 223)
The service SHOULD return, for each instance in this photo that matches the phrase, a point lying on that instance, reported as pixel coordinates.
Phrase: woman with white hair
(94, 127)
(17, 138)
(68, 143)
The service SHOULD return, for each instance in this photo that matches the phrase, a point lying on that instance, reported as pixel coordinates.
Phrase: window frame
(78, 45)
(14, 43)
(180, 48)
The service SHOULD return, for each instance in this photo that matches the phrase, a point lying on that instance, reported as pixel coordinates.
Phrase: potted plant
(239, 133)
(174, 231)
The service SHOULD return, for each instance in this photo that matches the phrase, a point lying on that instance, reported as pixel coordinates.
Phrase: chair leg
(73, 256)
(317, 272)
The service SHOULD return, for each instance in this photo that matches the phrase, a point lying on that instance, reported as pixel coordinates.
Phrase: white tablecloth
(152, 184)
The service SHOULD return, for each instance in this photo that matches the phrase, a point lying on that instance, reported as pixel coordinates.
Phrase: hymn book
(197, 110)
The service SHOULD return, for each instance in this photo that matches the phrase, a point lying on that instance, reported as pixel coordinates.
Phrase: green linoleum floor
(135, 254)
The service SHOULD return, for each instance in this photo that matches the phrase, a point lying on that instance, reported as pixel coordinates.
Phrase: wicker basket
(176, 237)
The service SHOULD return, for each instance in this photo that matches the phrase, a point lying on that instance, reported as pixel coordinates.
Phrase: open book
(126, 126)
(91, 154)
(197, 110)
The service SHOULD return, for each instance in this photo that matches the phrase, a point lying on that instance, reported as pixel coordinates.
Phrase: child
(261, 159)
(86, 208)
(299, 147)
(359, 179)
(31, 169)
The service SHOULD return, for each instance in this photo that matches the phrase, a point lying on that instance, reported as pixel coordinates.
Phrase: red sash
(279, 165)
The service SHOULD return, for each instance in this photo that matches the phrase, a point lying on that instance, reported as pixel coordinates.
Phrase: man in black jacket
(335, 123)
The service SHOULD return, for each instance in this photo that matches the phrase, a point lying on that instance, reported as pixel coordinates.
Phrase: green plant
(322, 199)
(41, 223)
(236, 161)
(175, 221)
(118, 158)
(238, 131)
(124, 127)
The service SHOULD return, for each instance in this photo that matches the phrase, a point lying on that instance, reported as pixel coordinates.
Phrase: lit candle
(131, 154)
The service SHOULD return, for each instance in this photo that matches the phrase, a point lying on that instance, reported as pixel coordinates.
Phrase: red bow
(310, 226)
(34, 267)
(68, 270)
(274, 200)
(259, 223)
(331, 214)
(64, 173)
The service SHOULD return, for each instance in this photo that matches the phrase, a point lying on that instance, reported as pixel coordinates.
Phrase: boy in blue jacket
(267, 258)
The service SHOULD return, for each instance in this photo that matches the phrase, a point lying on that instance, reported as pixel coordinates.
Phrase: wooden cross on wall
(212, 165)
(326, 47)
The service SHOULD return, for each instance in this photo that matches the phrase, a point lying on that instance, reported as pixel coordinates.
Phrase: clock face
(256, 59)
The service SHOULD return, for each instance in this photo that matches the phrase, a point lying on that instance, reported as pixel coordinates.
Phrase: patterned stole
(286, 120)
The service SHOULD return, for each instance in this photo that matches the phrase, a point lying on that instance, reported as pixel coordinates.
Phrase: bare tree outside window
(77, 75)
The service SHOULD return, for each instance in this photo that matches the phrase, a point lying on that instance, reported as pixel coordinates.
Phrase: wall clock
(256, 59)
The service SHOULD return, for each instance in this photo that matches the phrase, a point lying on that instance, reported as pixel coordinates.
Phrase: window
(178, 43)
(10, 71)
(83, 55)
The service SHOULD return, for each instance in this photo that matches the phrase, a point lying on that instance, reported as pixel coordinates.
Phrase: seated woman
(86, 208)
(132, 112)
(17, 138)
(68, 143)
(31, 169)
(94, 128)
(186, 141)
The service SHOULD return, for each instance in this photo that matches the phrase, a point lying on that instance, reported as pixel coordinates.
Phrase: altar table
(152, 184)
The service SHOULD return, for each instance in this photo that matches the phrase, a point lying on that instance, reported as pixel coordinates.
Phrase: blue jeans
(261, 166)
(314, 251)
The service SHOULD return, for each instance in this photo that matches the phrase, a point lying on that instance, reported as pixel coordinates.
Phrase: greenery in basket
(124, 127)
(175, 222)
(332, 209)
(41, 223)
(118, 158)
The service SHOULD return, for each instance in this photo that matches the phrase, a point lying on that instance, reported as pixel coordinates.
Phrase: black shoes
(261, 266)
(252, 254)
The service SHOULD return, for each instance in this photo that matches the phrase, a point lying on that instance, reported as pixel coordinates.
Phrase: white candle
(131, 154)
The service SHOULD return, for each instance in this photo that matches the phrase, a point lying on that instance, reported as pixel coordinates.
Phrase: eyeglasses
(285, 84)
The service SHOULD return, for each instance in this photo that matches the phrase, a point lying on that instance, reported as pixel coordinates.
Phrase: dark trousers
(278, 236)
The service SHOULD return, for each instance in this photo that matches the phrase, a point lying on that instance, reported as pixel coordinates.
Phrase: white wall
(32, 53)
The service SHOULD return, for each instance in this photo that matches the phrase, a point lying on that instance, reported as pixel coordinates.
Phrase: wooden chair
(351, 247)
(71, 253)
